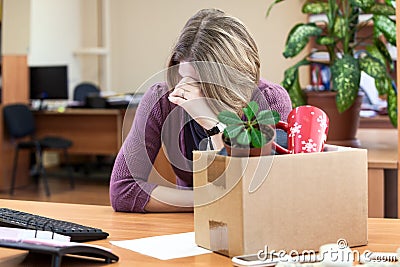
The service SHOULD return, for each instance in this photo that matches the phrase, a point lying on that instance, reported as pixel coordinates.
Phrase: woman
(213, 66)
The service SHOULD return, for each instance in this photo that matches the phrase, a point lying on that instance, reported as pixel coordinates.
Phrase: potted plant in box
(353, 46)
(251, 135)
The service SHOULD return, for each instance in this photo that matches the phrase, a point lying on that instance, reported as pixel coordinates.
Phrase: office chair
(20, 124)
(84, 89)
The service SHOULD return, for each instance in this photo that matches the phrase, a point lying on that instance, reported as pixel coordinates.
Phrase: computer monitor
(49, 82)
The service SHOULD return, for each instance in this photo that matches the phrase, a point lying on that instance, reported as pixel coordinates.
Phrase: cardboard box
(285, 202)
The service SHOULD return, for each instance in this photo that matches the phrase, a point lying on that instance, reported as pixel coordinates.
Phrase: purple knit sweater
(157, 121)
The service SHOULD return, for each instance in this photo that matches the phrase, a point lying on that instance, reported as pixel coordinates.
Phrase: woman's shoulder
(156, 93)
(155, 99)
(159, 89)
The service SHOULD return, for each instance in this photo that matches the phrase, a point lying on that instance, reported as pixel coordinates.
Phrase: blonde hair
(223, 53)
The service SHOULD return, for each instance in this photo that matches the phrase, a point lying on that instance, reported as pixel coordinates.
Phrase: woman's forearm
(165, 199)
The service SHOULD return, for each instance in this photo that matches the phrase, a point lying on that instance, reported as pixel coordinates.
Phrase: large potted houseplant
(250, 134)
(339, 32)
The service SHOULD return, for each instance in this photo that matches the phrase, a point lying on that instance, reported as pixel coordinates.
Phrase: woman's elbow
(116, 200)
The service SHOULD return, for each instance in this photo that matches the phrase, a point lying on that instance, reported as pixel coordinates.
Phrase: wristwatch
(218, 128)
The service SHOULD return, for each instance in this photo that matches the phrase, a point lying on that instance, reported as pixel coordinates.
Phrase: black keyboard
(77, 232)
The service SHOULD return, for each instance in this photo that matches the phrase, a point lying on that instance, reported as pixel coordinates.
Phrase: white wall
(15, 27)
(143, 32)
(55, 28)
(91, 70)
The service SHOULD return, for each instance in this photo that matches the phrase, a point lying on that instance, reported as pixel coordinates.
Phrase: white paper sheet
(164, 247)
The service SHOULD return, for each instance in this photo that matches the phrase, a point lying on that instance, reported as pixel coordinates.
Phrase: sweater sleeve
(129, 189)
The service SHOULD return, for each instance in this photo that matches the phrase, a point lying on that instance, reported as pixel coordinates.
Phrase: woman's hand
(189, 96)
(186, 89)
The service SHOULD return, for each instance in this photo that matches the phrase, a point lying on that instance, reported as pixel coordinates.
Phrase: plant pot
(343, 126)
(236, 151)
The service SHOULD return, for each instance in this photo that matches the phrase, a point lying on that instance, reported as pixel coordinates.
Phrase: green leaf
(292, 85)
(243, 138)
(315, 8)
(325, 40)
(268, 117)
(250, 110)
(228, 117)
(387, 27)
(382, 48)
(373, 66)
(363, 4)
(340, 30)
(391, 2)
(258, 139)
(383, 85)
(272, 5)
(392, 105)
(296, 93)
(299, 37)
(346, 80)
(375, 53)
(382, 9)
(231, 131)
(290, 76)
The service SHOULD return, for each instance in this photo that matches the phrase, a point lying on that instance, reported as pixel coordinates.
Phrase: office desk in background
(92, 131)
(383, 234)
(382, 170)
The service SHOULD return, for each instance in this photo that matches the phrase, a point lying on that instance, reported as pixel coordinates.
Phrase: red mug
(307, 130)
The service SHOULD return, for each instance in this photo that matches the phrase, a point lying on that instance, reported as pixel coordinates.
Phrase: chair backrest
(82, 90)
(19, 120)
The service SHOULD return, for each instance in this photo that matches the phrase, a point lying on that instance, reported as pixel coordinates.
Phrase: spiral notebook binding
(35, 223)
(47, 226)
(51, 227)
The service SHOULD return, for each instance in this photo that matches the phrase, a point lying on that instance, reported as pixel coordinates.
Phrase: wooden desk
(383, 234)
(382, 158)
(92, 131)
(379, 121)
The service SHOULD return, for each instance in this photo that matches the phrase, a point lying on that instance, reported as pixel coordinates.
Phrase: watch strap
(216, 129)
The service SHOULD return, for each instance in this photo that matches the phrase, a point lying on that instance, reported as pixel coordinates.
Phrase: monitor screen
(49, 82)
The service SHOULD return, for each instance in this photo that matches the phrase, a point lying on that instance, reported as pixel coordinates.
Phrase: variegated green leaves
(387, 26)
(346, 80)
(315, 7)
(298, 38)
(349, 53)
(346, 74)
(392, 105)
(363, 4)
(248, 131)
(374, 64)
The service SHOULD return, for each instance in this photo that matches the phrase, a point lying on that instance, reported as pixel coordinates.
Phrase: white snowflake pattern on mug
(309, 146)
(322, 122)
(295, 129)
